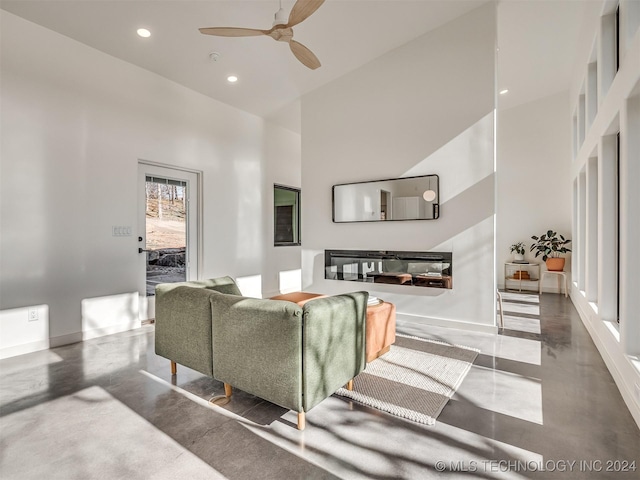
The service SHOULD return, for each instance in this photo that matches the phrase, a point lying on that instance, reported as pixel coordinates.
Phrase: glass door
(167, 240)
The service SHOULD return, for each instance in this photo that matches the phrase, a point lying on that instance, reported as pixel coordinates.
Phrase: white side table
(558, 274)
(531, 267)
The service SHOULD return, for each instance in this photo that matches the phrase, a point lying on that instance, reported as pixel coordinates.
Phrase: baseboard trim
(273, 293)
(445, 322)
(52, 342)
(110, 330)
(65, 340)
(30, 347)
(614, 360)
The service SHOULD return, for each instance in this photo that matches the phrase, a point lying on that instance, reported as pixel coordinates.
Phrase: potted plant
(551, 246)
(518, 251)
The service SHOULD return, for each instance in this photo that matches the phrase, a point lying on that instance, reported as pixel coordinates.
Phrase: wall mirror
(409, 198)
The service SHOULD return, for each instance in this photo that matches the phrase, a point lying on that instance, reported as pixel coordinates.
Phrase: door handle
(140, 250)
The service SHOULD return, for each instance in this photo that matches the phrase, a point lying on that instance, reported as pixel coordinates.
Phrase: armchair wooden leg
(301, 421)
(174, 368)
(349, 385)
(221, 400)
(227, 390)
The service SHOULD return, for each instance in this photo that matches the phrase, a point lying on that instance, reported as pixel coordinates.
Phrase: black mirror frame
(436, 205)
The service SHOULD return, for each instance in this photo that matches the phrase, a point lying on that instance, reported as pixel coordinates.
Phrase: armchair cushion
(257, 345)
(333, 344)
(183, 321)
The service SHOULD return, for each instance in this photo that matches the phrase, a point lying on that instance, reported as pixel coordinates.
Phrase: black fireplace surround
(417, 269)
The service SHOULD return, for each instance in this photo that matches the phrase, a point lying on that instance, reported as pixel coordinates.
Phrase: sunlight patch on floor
(507, 393)
(520, 297)
(521, 324)
(409, 448)
(98, 437)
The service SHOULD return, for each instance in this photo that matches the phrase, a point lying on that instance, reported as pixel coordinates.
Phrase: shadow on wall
(466, 155)
(458, 214)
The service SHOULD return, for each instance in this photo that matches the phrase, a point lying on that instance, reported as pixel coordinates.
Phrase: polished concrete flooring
(538, 403)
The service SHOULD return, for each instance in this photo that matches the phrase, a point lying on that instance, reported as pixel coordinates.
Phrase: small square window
(286, 219)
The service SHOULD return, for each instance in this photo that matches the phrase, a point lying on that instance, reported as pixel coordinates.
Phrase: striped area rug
(414, 380)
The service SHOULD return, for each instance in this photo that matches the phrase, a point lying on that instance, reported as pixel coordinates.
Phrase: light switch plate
(121, 231)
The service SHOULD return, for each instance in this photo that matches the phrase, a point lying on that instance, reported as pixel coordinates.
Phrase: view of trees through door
(166, 232)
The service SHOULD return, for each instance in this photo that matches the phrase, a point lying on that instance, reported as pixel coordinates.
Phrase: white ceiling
(537, 40)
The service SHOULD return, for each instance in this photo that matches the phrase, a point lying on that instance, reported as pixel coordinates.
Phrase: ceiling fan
(281, 30)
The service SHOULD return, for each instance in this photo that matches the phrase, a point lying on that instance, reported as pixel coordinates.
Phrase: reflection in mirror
(410, 198)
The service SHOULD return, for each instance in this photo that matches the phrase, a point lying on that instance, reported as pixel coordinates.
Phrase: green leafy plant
(550, 245)
(517, 248)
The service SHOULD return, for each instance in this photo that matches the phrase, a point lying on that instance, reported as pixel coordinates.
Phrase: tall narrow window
(618, 226)
(617, 37)
(286, 220)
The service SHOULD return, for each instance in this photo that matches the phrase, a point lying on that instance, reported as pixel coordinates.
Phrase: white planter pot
(518, 258)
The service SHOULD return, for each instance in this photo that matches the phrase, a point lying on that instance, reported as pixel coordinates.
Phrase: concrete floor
(538, 403)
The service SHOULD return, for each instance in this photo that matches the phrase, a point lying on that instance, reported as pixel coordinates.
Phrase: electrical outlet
(33, 314)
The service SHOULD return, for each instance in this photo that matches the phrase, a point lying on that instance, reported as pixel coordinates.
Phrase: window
(617, 26)
(286, 219)
(618, 227)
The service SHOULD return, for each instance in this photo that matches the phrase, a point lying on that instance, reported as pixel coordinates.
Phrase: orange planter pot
(555, 264)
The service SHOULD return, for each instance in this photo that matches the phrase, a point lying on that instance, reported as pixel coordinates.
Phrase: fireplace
(417, 269)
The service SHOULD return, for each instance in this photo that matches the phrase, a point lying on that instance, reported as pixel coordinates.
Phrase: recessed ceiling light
(143, 32)
(232, 79)
(505, 91)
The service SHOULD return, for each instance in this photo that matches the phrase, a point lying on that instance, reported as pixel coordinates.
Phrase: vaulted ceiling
(537, 42)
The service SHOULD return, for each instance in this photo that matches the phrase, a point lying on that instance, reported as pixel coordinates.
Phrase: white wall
(75, 123)
(595, 290)
(533, 179)
(280, 264)
(423, 108)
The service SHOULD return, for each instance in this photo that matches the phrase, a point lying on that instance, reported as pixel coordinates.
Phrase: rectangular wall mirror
(410, 198)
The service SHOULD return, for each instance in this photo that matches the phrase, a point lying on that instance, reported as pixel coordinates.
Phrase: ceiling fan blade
(233, 31)
(305, 55)
(302, 10)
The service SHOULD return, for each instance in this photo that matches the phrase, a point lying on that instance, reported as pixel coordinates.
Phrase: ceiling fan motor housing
(281, 17)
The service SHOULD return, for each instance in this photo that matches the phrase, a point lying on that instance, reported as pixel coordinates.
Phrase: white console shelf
(513, 280)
